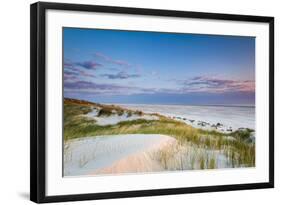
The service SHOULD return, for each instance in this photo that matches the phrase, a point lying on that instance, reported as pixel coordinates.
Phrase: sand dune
(139, 162)
(113, 154)
(114, 118)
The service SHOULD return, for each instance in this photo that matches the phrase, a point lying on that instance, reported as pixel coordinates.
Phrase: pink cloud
(218, 85)
(111, 60)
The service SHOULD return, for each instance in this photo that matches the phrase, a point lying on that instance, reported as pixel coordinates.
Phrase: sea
(229, 117)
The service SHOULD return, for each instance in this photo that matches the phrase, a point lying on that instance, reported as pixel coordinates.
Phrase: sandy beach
(221, 118)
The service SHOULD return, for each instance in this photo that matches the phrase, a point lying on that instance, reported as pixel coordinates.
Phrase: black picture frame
(38, 101)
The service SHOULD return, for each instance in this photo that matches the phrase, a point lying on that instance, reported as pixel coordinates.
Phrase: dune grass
(240, 151)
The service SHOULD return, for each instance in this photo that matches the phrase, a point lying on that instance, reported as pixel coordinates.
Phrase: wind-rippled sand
(111, 154)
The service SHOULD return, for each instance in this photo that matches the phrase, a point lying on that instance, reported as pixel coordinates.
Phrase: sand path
(113, 154)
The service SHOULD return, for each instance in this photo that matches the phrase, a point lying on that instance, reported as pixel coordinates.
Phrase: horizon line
(187, 104)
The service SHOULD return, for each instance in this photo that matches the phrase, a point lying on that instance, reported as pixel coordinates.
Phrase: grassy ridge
(77, 125)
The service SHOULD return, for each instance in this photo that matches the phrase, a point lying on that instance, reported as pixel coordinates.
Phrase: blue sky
(150, 67)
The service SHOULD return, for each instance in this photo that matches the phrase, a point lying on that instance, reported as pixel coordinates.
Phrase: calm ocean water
(230, 116)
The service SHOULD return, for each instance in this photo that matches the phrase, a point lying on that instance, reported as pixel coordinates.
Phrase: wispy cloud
(121, 75)
(69, 72)
(68, 64)
(217, 85)
(69, 77)
(111, 60)
(104, 89)
(73, 71)
(89, 65)
(86, 74)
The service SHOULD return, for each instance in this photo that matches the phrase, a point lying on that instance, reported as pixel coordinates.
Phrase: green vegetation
(236, 146)
(212, 164)
(105, 112)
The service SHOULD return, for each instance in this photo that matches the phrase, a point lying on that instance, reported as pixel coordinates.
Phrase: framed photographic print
(129, 102)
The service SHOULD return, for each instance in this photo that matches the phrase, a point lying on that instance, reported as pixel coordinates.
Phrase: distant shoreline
(203, 105)
(168, 104)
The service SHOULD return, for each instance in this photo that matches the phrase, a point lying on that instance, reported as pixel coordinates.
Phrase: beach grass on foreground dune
(77, 125)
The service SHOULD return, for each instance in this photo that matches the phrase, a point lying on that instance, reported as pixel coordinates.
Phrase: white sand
(115, 118)
(113, 154)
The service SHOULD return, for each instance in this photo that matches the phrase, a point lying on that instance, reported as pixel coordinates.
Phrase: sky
(113, 66)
